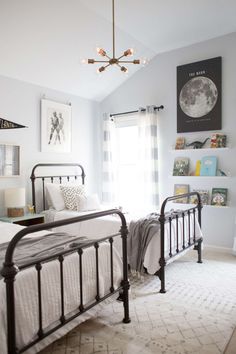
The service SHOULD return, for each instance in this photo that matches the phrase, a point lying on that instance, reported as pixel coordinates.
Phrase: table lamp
(15, 201)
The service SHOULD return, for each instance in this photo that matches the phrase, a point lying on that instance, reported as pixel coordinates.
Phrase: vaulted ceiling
(43, 41)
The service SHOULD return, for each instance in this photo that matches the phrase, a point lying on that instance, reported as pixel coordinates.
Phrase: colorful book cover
(198, 168)
(204, 194)
(218, 140)
(181, 166)
(181, 189)
(208, 166)
(180, 143)
(219, 196)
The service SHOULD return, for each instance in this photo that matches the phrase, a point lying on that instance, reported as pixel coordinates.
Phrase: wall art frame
(199, 96)
(9, 160)
(55, 126)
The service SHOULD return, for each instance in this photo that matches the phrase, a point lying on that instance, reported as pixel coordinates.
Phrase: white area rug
(196, 315)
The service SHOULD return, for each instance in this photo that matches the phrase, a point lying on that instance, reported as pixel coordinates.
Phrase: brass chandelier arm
(99, 61)
(135, 61)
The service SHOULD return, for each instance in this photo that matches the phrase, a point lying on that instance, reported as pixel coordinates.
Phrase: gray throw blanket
(140, 234)
(35, 248)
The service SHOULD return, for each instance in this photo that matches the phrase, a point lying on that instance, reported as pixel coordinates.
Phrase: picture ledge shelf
(199, 150)
(222, 177)
(206, 205)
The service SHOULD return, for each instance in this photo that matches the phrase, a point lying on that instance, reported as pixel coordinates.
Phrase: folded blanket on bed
(35, 248)
(140, 234)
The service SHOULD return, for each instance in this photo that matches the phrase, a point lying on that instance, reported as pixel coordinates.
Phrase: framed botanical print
(55, 126)
(199, 96)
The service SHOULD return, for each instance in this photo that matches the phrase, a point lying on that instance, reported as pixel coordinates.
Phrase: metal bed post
(9, 272)
(125, 281)
(162, 260)
(198, 247)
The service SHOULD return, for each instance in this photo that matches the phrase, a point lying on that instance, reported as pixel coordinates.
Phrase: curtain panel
(148, 157)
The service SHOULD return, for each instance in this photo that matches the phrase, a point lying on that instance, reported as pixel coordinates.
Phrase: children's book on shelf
(218, 140)
(204, 195)
(180, 143)
(219, 196)
(208, 166)
(198, 168)
(181, 166)
(181, 189)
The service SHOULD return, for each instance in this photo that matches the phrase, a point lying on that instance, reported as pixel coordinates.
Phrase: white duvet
(26, 291)
(111, 224)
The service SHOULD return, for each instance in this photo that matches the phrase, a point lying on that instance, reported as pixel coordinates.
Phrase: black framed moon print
(199, 96)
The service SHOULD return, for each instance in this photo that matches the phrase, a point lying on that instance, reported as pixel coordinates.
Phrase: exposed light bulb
(101, 69)
(101, 52)
(144, 61)
(84, 61)
(124, 69)
(129, 51)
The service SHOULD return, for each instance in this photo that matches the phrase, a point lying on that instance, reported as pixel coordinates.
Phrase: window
(127, 162)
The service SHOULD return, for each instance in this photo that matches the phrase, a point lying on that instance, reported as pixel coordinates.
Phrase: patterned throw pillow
(71, 195)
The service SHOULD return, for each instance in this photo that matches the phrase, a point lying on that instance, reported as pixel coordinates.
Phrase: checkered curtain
(108, 160)
(148, 157)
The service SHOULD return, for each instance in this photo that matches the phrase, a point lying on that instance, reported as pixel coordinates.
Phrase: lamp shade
(14, 197)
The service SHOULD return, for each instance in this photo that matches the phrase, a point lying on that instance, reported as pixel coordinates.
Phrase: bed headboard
(53, 172)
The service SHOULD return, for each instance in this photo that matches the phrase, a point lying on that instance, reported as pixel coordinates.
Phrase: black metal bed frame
(194, 241)
(163, 219)
(68, 177)
(10, 270)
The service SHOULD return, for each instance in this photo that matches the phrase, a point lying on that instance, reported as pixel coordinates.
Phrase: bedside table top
(21, 218)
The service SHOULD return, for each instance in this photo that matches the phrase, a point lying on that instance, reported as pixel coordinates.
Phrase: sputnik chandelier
(119, 61)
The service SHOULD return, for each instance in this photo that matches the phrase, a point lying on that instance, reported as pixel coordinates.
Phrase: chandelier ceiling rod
(113, 26)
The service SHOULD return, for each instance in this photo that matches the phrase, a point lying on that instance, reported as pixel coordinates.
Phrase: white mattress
(111, 224)
(26, 291)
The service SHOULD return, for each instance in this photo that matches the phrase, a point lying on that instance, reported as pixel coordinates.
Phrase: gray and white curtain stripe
(148, 156)
(108, 160)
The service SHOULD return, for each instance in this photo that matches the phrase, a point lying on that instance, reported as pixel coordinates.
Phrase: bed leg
(198, 247)
(161, 275)
(125, 299)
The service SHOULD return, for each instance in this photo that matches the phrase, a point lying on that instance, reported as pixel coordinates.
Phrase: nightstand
(25, 220)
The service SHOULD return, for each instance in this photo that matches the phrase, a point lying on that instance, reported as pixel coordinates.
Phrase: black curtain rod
(130, 112)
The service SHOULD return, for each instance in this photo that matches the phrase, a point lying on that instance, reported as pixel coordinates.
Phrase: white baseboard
(218, 249)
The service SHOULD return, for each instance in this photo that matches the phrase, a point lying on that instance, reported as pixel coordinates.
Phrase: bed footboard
(188, 240)
(10, 271)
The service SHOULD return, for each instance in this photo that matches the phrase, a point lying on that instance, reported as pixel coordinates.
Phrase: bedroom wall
(20, 103)
(156, 84)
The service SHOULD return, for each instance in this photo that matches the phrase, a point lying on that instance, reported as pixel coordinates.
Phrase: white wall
(20, 103)
(156, 84)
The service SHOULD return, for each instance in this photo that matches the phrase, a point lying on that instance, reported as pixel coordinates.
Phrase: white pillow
(88, 202)
(54, 196)
(70, 194)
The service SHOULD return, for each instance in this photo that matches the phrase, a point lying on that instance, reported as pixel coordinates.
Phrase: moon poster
(199, 96)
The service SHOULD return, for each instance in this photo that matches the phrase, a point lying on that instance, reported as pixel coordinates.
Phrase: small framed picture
(9, 160)
(181, 189)
(55, 126)
(180, 143)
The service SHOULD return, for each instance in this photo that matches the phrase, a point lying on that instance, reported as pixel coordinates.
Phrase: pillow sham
(54, 196)
(71, 194)
(88, 202)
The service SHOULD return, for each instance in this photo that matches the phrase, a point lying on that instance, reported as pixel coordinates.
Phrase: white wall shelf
(203, 177)
(176, 151)
(205, 205)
